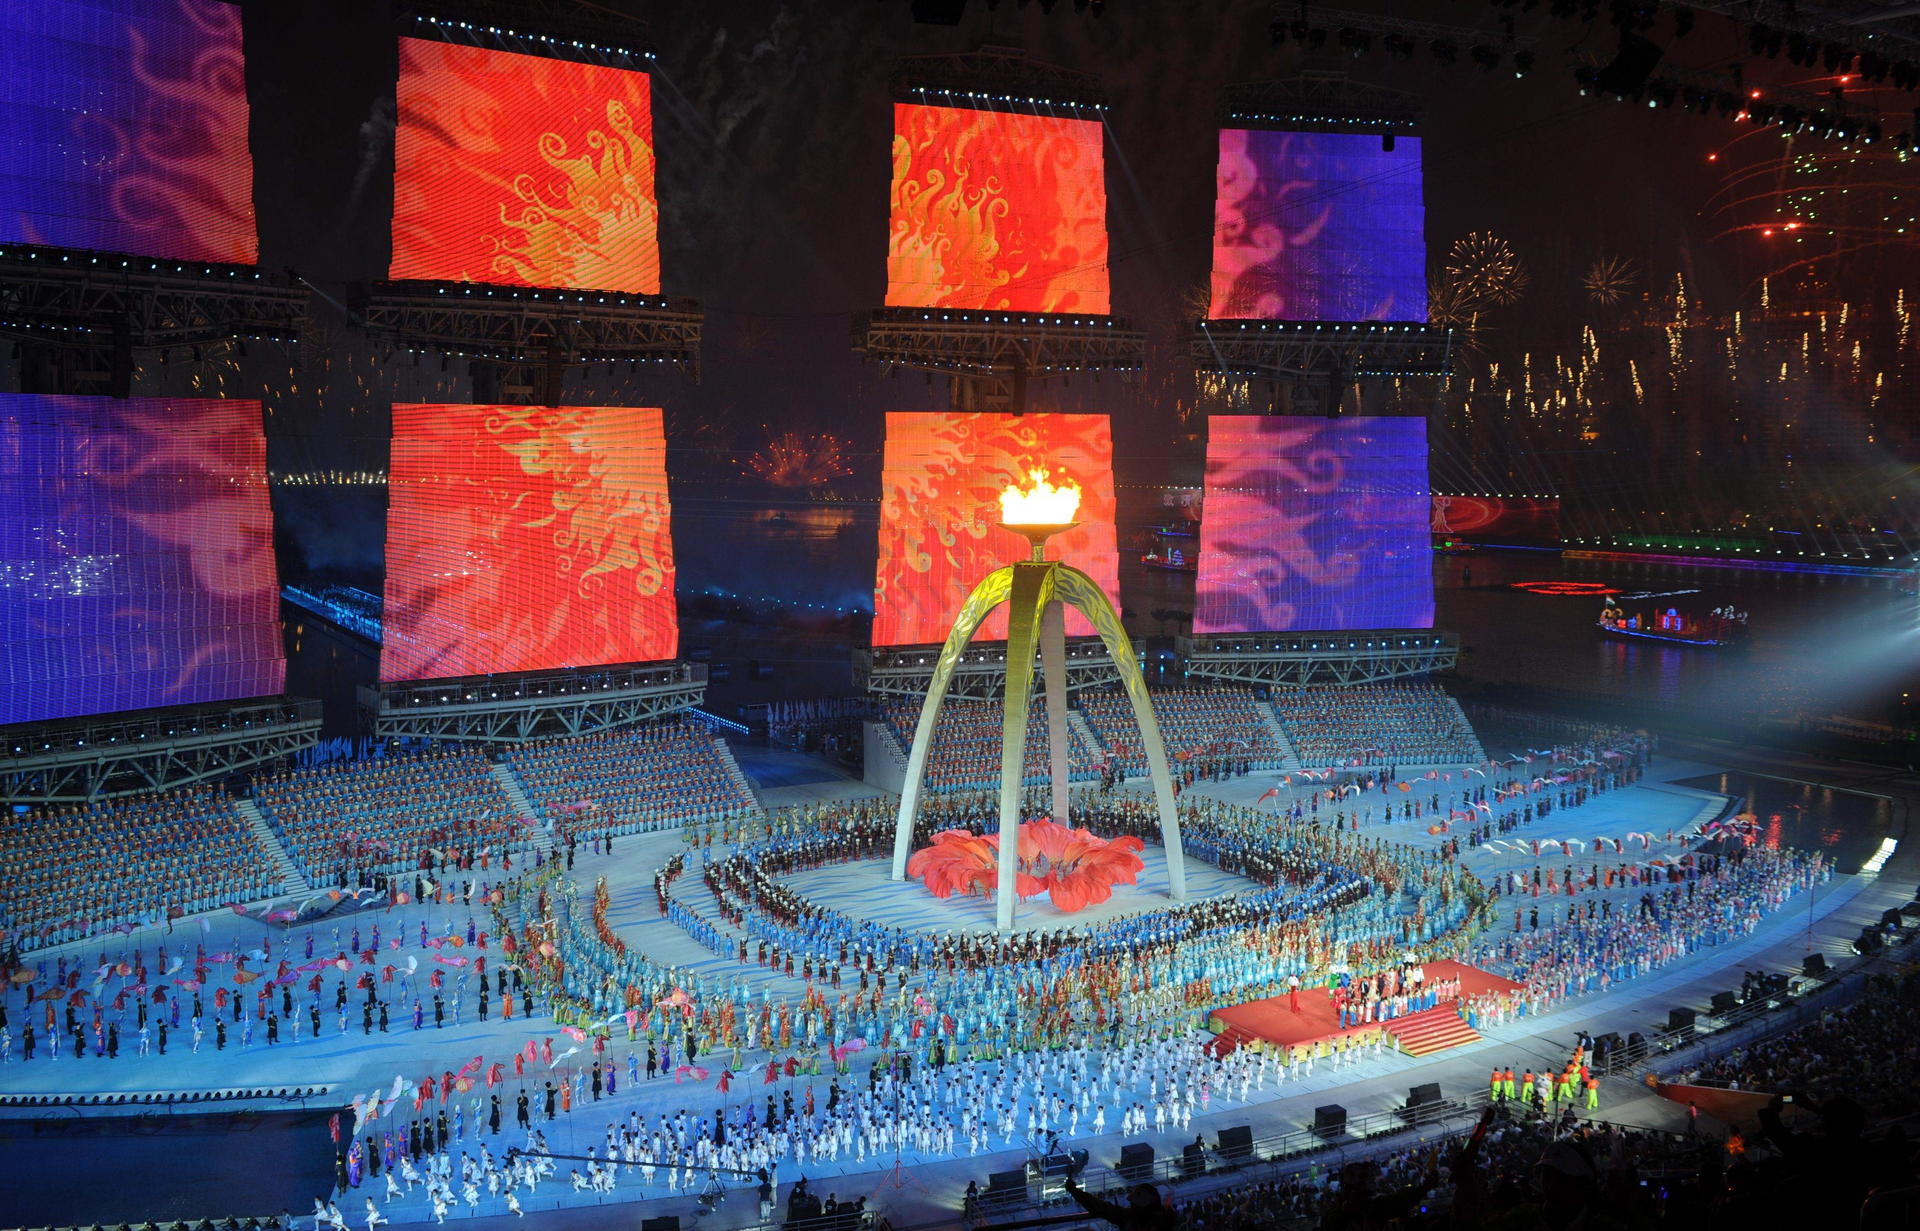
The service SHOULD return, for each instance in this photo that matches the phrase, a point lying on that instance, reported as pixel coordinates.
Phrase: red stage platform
(1272, 1021)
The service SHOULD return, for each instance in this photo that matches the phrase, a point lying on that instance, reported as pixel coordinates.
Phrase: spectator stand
(1224, 726)
(632, 780)
(71, 871)
(966, 747)
(1406, 725)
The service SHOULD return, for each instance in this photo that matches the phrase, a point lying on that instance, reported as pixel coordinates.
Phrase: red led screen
(940, 484)
(136, 555)
(523, 170)
(526, 537)
(993, 210)
(123, 125)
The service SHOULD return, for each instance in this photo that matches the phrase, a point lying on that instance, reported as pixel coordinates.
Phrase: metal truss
(1333, 349)
(542, 705)
(85, 759)
(529, 325)
(1338, 657)
(998, 78)
(991, 356)
(1321, 98)
(111, 304)
(980, 675)
(569, 29)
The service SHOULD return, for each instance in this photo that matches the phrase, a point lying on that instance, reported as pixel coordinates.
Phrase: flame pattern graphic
(997, 211)
(523, 170)
(940, 484)
(524, 537)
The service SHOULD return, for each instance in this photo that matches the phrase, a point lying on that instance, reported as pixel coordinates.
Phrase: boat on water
(1171, 561)
(1718, 629)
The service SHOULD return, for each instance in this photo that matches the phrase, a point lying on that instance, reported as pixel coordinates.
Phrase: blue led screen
(1318, 227)
(136, 556)
(1312, 523)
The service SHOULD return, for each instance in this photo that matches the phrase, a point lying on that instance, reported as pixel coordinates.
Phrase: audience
(74, 871)
(347, 825)
(1407, 723)
(966, 745)
(1222, 727)
(656, 776)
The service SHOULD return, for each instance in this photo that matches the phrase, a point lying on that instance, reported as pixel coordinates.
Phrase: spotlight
(1522, 63)
(1399, 46)
(1443, 50)
(1357, 42)
(1488, 58)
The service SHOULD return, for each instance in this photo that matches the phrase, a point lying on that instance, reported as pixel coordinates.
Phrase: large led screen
(123, 127)
(526, 537)
(1318, 227)
(997, 211)
(524, 171)
(1312, 523)
(940, 483)
(136, 556)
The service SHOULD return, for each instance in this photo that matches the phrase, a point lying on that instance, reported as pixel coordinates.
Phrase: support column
(1032, 592)
(1053, 676)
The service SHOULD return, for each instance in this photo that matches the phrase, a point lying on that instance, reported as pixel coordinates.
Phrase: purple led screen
(1318, 227)
(123, 127)
(136, 555)
(1311, 523)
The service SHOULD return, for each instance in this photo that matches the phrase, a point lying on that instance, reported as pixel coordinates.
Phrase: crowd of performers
(972, 1035)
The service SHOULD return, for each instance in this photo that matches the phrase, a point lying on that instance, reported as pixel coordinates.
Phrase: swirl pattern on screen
(136, 556)
(940, 483)
(1318, 227)
(1509, 519)
(123, 127)
(1313, 523)
(521, 538)
(523, 171)
(997, 211)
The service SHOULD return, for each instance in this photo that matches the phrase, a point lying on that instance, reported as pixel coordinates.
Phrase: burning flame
(1042, 504)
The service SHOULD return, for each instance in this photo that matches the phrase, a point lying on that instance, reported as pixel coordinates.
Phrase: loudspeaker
(1419, 1096)
(1607, 1047)
(1136, 1162)
(1193, 1160)
(665, 1222)
(1236, 1143)
(1890, 918)
(1632, 65)
(1330, 1121)
(1680, 1019)
(1814, 965)
(1869, 941)
(1725, 1002)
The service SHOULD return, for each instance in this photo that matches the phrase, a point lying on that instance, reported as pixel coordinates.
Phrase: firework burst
(1608, 280)
(1483, 268)
(793, 460)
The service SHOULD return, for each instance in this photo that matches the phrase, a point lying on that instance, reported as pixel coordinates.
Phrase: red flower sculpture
(1076, 868)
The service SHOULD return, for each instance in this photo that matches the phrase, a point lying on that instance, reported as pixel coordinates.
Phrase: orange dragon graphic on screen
(997, 211)
(523, 170)
(521, 538)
